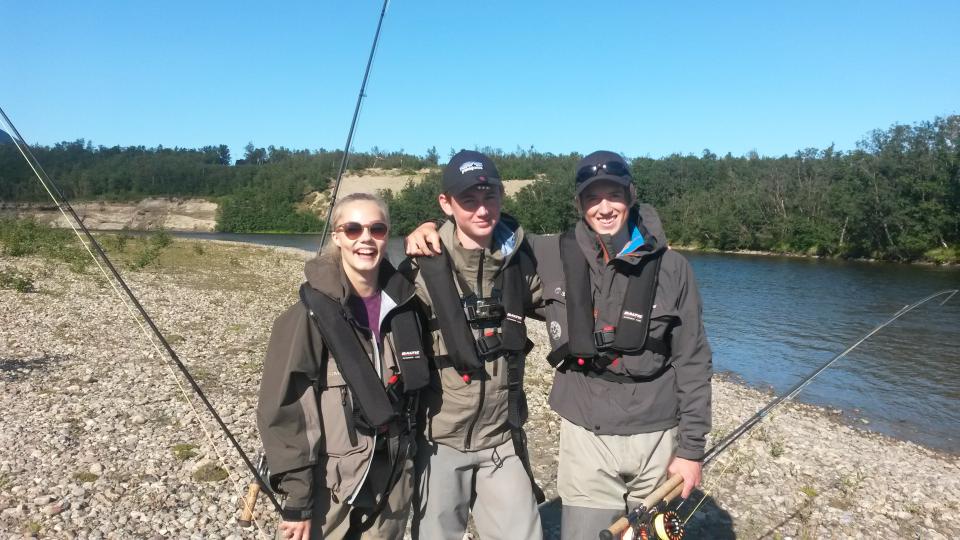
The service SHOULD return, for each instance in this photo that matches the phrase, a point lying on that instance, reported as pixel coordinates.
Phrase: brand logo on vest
(560, 292)
(515, 318)
(555, 330)
(409, 354)
(631, 316)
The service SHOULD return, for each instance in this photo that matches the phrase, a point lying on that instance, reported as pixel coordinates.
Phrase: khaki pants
(491, 483)
(331, 518)
(611, 471)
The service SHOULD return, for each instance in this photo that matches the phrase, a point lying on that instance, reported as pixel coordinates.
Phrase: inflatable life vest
(378, 405)
(592, 351)
(498, 319)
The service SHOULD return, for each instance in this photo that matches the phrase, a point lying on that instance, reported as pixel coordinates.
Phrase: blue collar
(636, 238)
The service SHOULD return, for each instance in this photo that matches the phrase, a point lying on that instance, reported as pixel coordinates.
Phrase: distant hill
(5, 138)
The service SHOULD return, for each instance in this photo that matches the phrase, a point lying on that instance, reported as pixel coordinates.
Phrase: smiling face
(363, 253)
(605, 206)
(476, 212)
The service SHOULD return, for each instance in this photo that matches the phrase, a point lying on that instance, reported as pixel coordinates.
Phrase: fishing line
(662, 494)
(353, 125)
(129, 298)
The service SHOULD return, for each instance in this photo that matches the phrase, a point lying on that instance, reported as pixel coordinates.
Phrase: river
(772, 320)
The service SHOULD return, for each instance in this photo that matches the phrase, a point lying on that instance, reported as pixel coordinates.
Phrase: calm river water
(773, 320)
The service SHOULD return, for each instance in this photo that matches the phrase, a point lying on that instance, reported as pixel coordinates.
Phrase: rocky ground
(98, 441)
(172, 214)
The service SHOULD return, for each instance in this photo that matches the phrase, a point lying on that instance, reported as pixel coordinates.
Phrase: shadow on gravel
(550, 518)
(710, 521)
(12, 369)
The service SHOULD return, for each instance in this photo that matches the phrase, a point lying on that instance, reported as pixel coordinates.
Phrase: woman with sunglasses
(340, 387)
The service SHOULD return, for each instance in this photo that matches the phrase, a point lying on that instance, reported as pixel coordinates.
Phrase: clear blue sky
(642, 78)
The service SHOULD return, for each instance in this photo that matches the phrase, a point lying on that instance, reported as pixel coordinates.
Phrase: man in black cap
(633, 365)
(474, 298)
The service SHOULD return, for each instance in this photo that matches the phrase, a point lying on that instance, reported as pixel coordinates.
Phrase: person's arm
(692, 361)
(534, 284)
(424, 241)
(287, 413)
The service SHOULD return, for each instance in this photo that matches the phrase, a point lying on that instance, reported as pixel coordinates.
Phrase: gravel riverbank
(97, 440)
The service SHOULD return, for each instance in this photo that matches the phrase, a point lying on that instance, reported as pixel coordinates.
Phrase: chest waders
(391, 409)
(592, 351)
(500, 325)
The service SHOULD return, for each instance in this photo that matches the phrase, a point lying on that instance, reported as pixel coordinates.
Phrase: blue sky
(642, 78)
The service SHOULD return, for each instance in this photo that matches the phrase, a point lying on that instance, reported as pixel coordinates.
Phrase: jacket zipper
(476, 417)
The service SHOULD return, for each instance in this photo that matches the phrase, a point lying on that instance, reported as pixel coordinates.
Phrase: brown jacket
(303, 396)
(470, 415)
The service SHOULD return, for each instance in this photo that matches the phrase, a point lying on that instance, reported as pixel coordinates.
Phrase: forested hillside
(895, 197)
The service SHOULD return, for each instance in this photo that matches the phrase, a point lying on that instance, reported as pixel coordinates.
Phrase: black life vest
(592, 351)
(378, 405)
(465, 352)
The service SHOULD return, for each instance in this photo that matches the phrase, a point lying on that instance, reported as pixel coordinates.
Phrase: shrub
(17, 281)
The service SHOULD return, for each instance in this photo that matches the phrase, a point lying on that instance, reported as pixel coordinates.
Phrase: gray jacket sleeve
(693, 363)
(287, 413)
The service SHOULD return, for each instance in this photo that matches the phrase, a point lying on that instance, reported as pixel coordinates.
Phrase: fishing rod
(353, 125)
(99, 255)
(93, 247)
(651, 519)
(255, 486)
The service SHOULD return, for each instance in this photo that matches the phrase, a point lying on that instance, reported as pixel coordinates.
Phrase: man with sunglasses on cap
(633, 365)
(474, 298)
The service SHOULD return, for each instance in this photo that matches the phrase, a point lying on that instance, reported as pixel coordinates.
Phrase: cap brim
(624, 181)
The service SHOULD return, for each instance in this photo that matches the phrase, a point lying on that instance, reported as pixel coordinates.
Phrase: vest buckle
(603, 339)
(489, 343)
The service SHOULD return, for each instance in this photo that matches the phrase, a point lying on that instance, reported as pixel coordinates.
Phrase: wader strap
(360, 519)
(517, 416)
(352, 360)
(399, 449)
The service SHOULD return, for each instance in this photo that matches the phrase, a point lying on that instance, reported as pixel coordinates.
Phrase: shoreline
(93, 418)
(761, 253)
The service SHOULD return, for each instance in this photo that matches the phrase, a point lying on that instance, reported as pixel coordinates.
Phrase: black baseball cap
(468, 168)
(602, 165)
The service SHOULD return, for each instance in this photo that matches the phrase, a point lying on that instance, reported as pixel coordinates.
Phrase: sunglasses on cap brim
(353, 230)
(613, 168)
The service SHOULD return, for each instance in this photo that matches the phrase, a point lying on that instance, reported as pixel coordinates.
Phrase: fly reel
(662, 526)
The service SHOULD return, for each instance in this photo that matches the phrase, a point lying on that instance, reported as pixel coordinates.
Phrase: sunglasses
(614, 168)
(352, 230)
